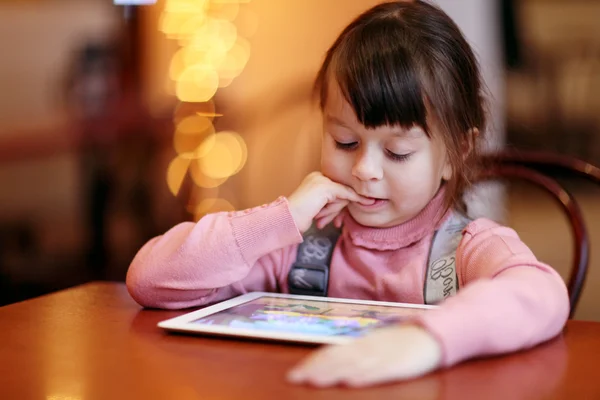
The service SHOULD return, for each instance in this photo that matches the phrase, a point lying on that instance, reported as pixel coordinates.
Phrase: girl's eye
(346, 146)
(398, 157)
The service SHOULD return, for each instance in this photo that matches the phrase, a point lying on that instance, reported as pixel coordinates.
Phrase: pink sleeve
(510, 301)
(219, 257)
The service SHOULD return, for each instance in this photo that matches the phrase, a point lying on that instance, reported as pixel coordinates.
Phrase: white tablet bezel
(182, 322)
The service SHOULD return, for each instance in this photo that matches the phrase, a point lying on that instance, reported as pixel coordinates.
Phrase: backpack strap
(441, 280)
(309, 275)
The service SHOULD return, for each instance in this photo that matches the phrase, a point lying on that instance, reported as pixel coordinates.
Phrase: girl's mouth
(377, 203)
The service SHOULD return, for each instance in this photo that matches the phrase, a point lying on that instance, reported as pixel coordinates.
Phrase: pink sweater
(508, 299)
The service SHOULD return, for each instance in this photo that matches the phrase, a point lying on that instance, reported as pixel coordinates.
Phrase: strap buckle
(309, 280)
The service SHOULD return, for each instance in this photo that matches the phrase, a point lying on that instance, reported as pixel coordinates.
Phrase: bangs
(377, 76)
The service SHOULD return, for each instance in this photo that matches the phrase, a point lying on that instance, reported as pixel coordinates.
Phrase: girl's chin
(372, 220)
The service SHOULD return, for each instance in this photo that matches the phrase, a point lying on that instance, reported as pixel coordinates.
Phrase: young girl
(401, 97)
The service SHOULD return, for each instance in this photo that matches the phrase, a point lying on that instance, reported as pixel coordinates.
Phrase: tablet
(293, 318)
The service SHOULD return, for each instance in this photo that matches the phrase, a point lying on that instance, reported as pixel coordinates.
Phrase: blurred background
(116, 124)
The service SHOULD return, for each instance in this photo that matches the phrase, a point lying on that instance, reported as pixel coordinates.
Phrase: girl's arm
(226, 254)
(510, 300)
(219, 257)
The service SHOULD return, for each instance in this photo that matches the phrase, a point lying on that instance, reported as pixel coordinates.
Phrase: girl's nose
(367, 168)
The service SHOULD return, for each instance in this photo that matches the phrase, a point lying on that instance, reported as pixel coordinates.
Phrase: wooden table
(94, 342)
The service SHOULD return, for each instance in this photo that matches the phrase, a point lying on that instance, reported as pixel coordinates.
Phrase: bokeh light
(230, 1)
(204, 109)
(234, 62)
(212, 34)
(212, 205)
(170, 23)
(197, 84)
(200, 179)
(226, 156)
(177, 65)
(224, 10)
(176, 173)
(212, 54)
(237, 147)
(185, 6)
(194, 137)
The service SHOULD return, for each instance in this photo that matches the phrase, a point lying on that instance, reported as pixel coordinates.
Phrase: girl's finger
(347, 193)
(338, 220)
(324, 221)
(320, 368)
(335, 207)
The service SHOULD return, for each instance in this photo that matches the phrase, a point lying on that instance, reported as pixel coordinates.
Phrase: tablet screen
(322, 318)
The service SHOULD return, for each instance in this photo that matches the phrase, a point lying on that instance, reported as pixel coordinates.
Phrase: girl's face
(401, 168)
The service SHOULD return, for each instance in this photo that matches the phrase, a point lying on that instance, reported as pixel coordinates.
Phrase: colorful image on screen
(308, 317)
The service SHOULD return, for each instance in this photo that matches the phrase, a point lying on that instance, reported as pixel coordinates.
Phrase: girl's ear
(468, 146)
(447, 171)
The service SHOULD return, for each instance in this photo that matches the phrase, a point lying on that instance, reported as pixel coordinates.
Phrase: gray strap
(309, 274)
(441, 280)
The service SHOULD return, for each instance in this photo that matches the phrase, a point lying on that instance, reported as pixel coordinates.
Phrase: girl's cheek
(335, 168)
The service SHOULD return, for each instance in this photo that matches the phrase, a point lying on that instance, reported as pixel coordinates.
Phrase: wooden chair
(537, 168)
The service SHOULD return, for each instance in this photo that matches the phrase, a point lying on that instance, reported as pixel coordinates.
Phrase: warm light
(197, 194)
(237, 147)
(212, 205)
(247, 23)
(169, 23)
(212, 55)
(230, 1)
(224, 10)
(214, 33)
(177, 65)
(234, 62)
(205, 109)
(176, 174)
(197, 84)
(201, 180)
(225, 158)
(185, 6)
(243, 46)
(189, 26)
(219, 162)
(194, 137)
(209, 58)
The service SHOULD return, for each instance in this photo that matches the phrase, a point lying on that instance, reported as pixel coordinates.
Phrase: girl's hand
(385, 355)
(318, 197)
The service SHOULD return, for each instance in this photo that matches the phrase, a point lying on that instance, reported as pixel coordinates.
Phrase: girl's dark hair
(400, 60)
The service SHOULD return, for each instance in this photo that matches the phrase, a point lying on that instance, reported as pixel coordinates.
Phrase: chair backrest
(537, 168)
